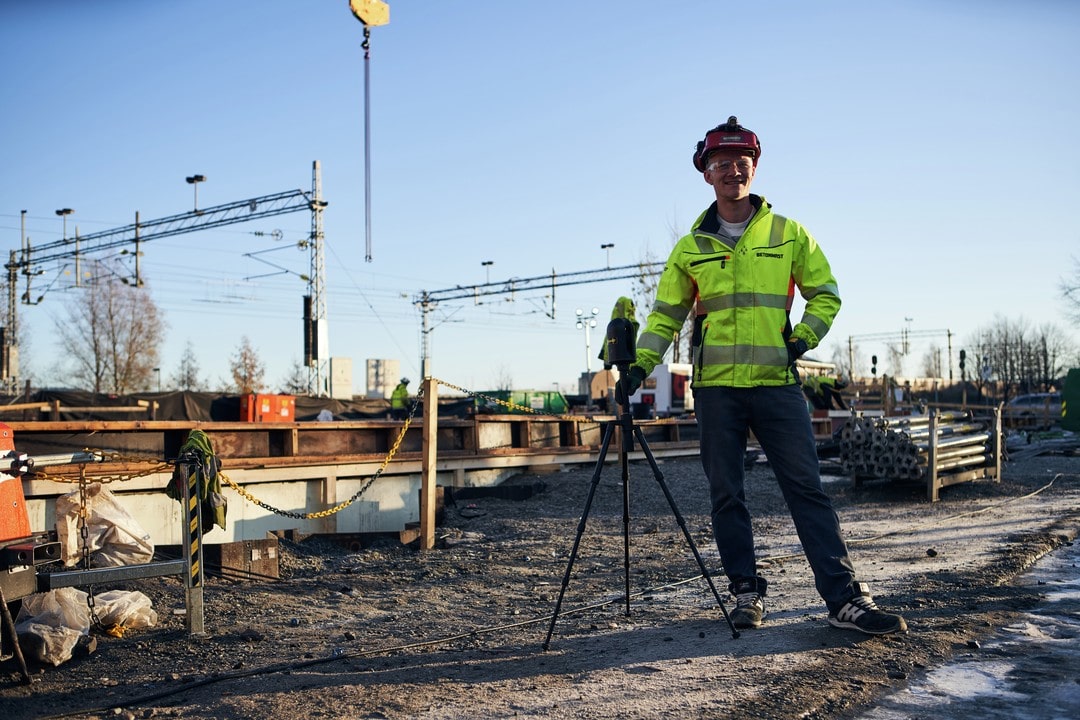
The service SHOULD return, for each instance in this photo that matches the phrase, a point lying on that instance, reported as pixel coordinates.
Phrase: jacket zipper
(721, 259)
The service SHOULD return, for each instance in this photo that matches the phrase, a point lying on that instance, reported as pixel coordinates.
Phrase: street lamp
(487, 268)
(587, 323)
(194, 181)
(64, 212)
(608, 246)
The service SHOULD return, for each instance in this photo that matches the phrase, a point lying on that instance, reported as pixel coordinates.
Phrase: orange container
(255, 407)
(14, 520)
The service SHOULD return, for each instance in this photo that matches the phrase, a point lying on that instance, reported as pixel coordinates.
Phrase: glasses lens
(726, 166)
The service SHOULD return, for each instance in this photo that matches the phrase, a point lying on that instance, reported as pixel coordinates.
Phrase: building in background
(382, 377)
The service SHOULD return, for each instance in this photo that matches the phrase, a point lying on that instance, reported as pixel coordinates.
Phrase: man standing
(399, 400)
(737, 270)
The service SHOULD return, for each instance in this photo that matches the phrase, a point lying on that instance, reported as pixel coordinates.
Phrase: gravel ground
(391, 632)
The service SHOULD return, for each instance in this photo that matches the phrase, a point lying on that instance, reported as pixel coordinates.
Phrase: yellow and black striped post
(193, 554)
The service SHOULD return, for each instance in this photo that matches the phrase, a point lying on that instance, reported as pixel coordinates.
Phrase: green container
(1070, 401)
(540, 401)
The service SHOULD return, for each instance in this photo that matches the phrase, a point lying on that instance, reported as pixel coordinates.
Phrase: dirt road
(390, 632)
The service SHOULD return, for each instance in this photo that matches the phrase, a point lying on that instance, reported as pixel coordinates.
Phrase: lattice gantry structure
(30, 262)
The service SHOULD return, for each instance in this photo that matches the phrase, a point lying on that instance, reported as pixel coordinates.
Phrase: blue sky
(930, 147)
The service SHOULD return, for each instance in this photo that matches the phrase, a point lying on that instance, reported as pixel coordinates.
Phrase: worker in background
(740, 265)
(399, 400)
(830, 388)
(824, 392)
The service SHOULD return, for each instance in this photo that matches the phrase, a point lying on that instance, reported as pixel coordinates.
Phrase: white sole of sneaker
(852, 626)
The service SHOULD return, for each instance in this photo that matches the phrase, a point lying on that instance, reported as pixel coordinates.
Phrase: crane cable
(367, 143)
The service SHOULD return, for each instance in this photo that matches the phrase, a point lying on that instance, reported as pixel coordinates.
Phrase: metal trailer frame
(26, 554)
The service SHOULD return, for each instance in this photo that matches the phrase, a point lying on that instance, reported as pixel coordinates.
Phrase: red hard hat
(729, 136)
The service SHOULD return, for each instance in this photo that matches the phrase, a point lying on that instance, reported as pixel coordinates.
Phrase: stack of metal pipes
(900, 447)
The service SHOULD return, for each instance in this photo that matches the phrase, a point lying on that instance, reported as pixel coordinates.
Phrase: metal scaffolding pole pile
(901, 447)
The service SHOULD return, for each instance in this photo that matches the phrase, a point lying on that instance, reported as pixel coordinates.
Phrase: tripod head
(621, 351)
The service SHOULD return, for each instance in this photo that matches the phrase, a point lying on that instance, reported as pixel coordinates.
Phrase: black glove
(629, 385)
(796, 348)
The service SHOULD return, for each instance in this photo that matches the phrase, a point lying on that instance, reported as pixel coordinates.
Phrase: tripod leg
(608, 432)
(682, 524)
(624, 460)
(9, 627)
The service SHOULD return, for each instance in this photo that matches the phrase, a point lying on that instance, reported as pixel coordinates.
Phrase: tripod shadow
(634, 650)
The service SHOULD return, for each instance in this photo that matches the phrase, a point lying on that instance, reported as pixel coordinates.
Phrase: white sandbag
(47, 644)
(50, 624)
(65, 607)
(132, 609)
(114, 536)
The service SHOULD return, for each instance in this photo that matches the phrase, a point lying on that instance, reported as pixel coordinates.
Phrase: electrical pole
(318, 371)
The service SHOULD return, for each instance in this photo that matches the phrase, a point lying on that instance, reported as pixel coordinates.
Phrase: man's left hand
(629, 385)
(796, 348)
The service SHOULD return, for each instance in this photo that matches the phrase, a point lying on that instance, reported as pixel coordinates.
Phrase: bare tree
(296, 382)
(895, 353)
(643, 290)
(932, 363)
(1051, 350)
(186, 376)
(643, 294)
(111, 335)
(1070, 290)
(504, 378)
(1021, 358)
(847, 359)
(246, 368)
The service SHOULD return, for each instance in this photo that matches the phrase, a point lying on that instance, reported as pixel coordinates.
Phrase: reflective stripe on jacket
(742, 293)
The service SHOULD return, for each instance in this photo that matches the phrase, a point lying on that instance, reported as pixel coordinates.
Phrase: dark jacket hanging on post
(197, 456)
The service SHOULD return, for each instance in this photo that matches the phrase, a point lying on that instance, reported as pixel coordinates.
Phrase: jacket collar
(709, 223)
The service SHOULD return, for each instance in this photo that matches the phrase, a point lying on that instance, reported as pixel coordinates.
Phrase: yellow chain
(390, 456)
(342, 505)
(114, 457)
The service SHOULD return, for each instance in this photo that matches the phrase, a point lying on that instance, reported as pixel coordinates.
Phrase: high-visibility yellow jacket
(399, 399)
(742, 293)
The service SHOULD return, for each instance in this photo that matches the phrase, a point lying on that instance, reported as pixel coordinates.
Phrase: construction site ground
(389, 631)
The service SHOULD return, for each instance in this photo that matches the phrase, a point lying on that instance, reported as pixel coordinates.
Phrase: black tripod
(629, 432)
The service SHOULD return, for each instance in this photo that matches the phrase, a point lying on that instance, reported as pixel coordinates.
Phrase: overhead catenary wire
(374, 312)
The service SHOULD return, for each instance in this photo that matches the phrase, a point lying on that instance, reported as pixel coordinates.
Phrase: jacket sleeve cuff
(803, 332)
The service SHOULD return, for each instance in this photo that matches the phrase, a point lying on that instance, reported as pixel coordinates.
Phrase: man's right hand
(629, 385)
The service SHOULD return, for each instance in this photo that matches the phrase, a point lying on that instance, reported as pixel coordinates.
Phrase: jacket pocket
(697, 345)
(722, 259)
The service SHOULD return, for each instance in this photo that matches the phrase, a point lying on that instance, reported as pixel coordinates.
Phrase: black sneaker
(749, 609)
(862, 614)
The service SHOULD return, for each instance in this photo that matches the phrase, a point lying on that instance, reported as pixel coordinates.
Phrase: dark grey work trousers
(780, 421)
